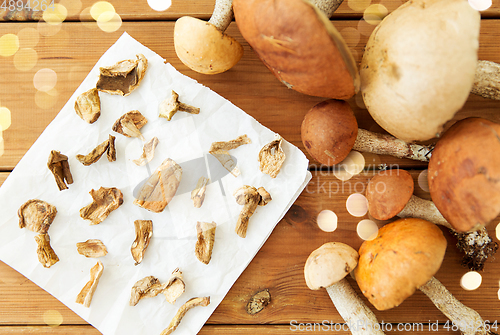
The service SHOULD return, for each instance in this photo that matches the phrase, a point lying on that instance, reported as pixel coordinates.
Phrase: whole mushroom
(326, 267)
(203, 46)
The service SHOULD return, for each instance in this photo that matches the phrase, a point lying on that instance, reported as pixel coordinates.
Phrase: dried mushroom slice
(87, 292)
(172, 105)
(92, 248)
(143, 233)
(147, 287)
(148, 152)
(88, 106)
(220, 150)
(258, 301)
(160, 188)
(36, 215)
(59, 166)
(46, 255)
(105, 200)
(175, 287)
(129, 124)
(123, 77)
(205, 243)
(198, 194)
(250, 198)
(272, 157)
(191, 303)
(107, 146)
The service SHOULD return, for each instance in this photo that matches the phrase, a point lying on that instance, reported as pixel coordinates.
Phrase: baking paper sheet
(186, 139)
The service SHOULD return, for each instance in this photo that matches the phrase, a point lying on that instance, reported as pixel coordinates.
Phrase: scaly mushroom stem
(477, 245)
(382, 144)
(353, 310)
(468, 320)
(328, 7)
(222, 15)
(487, 80)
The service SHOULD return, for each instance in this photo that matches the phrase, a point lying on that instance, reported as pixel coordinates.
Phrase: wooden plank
(249, 85)
(278, 267)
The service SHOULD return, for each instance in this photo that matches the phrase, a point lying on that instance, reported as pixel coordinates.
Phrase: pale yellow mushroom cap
(203, 48)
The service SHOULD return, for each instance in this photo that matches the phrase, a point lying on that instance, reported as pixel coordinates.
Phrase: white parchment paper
(186, 139)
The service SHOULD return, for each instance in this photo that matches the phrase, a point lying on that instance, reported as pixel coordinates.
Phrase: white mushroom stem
(328, 7)
(487, 80)
(423, 209)
(468, 320)
(382, 144)
(222, 15)
(353, 310)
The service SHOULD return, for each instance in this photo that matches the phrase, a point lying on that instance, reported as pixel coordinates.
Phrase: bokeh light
(9, 44)
(5, 118)
(327, 220)
(48, 30)
(480, 5)
(25, 59)
(46, 100)
(471, 280)
(422, 180)
(45, 80)
(99, 8)
(86, 18)
(52, 318)
(367, 230)
(497, 231)
(351, 35)
(358, 5)
(341, 173)
(375, 13)
(365, 28)
(72, 6)
(1, 143)
(28, 37)
(56, 14)
(354, 163)
(159, 5)
(357, 205)
(109, 22)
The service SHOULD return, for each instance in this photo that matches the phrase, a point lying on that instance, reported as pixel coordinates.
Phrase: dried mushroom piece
(172, 105)
(123, 77)
(191, 303)
(272, 157)
(147, 287)
(143, 233)
(175, 287)
(250, 198)
(205, 243)
(198, 194)
(92, 248)
(107, 146)
(258, 301)
(129, 124)
(148, 152)
(160, 188)
(87, 292)
(59, 166)
(220, 150)
(88, 106)
(36, 215)
(105, 200)
(46, 255)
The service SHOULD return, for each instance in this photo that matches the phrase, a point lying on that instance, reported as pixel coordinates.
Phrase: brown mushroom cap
(329, 131)
(329, 264)
(388, 192)
(203, 48)
(404, 256)
(464, 174)
(300, 46)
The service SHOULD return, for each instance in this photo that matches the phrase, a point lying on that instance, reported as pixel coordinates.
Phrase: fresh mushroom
(464, 174)
(300, 46)
(404, 257)
(203, 46)
(329, 131)
(390, 193)
(250, 198)
(326, 267)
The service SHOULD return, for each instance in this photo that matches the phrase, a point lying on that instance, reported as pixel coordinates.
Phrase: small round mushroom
(203, 46)
(464, 174)
(390, 193)
(329, 131)
(404, 257)
(300, 46)
(326, 267)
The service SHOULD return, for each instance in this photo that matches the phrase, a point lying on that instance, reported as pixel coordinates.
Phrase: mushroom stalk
(328, 7)
(222, 15)
(382, 144)
(361, 320)
(468, 320)
(423, 209)
(487, 80)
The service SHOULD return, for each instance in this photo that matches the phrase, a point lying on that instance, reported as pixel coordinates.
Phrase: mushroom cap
(464, 174)
(300, 46)
(329, 131)
(203, 48)
(404, 256)
(329, 264)
(388, 192)
(412, 86)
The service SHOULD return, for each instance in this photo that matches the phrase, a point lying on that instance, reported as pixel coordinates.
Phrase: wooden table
(71, 50)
